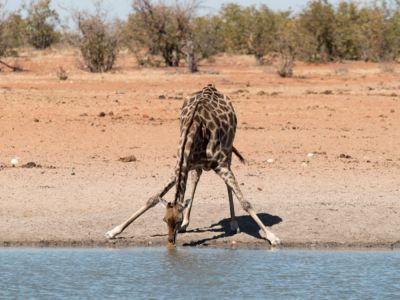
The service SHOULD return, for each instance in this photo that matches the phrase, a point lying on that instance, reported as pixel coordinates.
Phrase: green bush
(41, 22)
(317, 25)
(159, 28)
(98, 43)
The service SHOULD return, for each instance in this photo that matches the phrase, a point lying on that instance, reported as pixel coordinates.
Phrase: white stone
(14, 161)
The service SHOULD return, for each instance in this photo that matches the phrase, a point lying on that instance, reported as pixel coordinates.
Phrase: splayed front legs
(226, 174)
(232, 185)
(153, 201)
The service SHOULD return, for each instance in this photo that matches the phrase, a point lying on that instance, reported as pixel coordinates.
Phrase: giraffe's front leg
(153, 201)
(195, 175)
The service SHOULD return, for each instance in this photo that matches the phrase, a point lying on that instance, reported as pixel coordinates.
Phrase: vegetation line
(161, 34)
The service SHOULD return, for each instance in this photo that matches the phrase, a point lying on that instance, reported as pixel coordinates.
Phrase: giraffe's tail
(237, 153)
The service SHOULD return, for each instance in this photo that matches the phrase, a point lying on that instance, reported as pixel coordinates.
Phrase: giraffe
(207, 130)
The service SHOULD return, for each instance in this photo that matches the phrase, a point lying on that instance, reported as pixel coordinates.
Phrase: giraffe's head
(173, 217)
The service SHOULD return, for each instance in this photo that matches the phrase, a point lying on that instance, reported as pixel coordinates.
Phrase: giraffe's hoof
(112, 233)
(275, 241)
(183, 228)
(272, 238)
(109, 235)
(235, 227)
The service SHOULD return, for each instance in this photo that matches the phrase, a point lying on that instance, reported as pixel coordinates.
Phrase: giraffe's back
(212, 143)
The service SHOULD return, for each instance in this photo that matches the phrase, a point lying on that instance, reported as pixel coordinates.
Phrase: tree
(317, 23)
(98, 41)
(161, 29)
(262, 32)
(207, 36)
(15, 30)
(8, 41)
(347, 31)
(236, 24)
(392, 36)
(3, 41)
(372, 30)
(41, 23)
(287, 44)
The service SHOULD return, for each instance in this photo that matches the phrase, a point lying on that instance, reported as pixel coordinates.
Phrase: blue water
(188, 273)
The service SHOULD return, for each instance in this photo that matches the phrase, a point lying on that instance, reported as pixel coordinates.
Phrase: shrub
(161, 29)
(62, 74)
(317, 23)
(7, 40)
(236, 21)
(41, 22)
(207, 36)
(347, 31)
(15, 31)
(263, 33)
(98, 43)
(288, 42)
(285, 66)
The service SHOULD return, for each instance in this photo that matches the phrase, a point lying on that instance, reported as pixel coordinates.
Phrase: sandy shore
(344, 194)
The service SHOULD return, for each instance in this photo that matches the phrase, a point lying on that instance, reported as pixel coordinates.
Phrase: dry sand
(345, 195)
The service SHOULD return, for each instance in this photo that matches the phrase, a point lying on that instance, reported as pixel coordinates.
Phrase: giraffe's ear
(163, 202)
(185, 203)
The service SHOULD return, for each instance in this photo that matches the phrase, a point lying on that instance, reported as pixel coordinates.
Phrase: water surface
(187, 273)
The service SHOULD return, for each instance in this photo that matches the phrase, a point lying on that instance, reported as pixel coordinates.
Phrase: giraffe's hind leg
(153, 201)
(227, 175)
(195, 176)
(234, 224)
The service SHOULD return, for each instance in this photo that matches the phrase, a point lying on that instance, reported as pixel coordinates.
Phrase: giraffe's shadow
(246, 224)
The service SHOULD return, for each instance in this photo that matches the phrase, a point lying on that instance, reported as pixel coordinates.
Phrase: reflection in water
(184, 273)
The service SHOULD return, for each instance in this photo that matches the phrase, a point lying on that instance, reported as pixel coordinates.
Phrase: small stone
(14, 162)
(102, 114)
(327, 92)
(127, 159)
(36, 120)
(31, 165)
(310, 154)
(270, 160)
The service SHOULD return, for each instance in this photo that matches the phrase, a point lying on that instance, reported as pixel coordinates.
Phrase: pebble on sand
(129, 158)
(270, 160)
(14, 161)
(310, 154)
